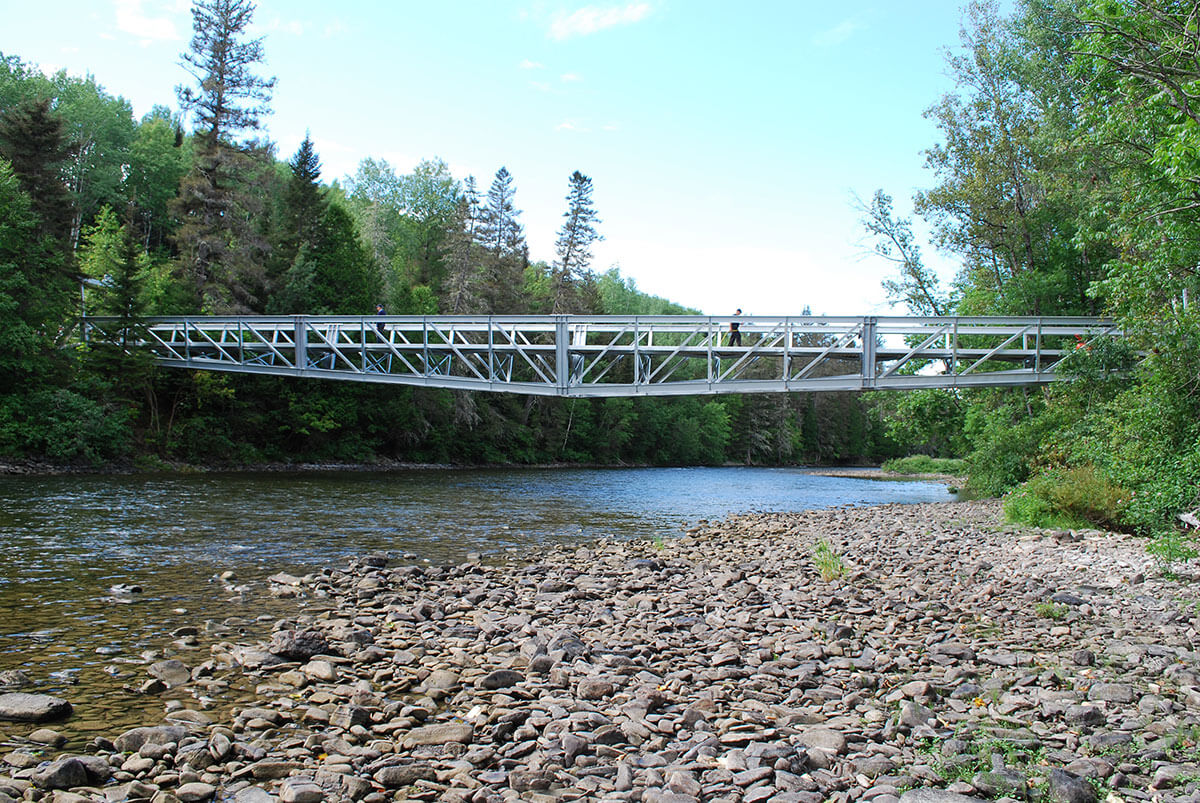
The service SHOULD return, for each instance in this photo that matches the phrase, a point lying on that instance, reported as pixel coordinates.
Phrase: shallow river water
(67, 541)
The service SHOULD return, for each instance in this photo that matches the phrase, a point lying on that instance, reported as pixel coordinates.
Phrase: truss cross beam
(598, 356)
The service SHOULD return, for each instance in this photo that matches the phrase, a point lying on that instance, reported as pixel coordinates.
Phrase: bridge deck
(620, 355)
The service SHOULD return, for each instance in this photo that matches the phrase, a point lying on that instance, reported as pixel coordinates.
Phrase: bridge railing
(620, 355)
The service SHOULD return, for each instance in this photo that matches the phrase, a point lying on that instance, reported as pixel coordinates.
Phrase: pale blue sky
(724, 140)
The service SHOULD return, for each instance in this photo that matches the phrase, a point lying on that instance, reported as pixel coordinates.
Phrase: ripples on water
(65, 541)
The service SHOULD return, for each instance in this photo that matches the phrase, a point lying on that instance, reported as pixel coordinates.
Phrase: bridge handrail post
(300, 342)
(786, 373)
(1037, 356)
(870, 327)
(637, 352)
(562, 353)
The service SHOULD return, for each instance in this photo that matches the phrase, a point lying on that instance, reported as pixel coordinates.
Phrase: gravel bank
(954, 659)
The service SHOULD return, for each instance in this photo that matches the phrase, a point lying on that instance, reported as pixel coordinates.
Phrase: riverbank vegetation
(1063, 183)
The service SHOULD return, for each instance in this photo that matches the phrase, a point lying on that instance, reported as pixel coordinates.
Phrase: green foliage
(923, 464)
(828, 561)
(1051, 610)
(1073, 497)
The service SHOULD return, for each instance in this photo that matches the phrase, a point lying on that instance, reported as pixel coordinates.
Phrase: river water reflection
(66, 541)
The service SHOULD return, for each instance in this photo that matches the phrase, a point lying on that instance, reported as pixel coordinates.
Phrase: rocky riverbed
(904, 652)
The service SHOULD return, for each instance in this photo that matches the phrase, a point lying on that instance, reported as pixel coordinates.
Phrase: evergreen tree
(36, 294)
(462, 292)
(574, 245)
(303, 209)
(221, 251)
(503, 239)
(33, 141)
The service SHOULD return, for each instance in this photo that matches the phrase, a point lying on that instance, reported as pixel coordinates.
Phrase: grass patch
(924, 464)
(1051, 610)
(828, 561)
(1067, 499)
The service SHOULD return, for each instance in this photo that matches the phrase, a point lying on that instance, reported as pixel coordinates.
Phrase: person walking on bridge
(379, 327)
(735, 335)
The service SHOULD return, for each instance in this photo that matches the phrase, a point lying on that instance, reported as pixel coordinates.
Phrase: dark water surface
(65, 541)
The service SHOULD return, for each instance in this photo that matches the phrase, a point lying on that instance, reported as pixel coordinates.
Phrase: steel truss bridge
(596, 356)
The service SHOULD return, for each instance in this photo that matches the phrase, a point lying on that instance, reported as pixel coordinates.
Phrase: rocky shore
(904, 652)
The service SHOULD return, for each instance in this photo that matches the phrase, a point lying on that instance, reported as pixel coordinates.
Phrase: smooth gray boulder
(23, 707)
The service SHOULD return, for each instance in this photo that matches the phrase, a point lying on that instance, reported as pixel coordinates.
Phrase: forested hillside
(190, 210)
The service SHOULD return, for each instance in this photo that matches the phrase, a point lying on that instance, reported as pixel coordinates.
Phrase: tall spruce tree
(221, 251)
(33, 141)
(462, 271)
(503, 239)
(304, 207)
(574, 245)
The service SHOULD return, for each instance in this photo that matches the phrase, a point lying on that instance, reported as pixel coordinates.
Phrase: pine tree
(574, 245)
(503, 239)
(36, 293)
(303, 207)
(462, 270)
(221, 251)
(33, 140)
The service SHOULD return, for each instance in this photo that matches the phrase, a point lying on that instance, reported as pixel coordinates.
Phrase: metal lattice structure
(593, 356)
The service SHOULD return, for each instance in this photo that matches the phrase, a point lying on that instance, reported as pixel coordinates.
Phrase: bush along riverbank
(852, 654)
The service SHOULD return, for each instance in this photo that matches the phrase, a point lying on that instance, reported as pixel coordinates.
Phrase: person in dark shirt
(735, 336)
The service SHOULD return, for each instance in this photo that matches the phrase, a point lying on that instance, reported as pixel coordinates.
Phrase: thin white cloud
(567, 125)
(570, 77)
(294, 27)
(592, 19)
(335, 28)
(831, 37)
(526, 64)
(610, 127)
(541, 86)
(133, 19)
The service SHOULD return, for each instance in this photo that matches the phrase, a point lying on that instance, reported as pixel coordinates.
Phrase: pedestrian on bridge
(735, 335)
(379, 310)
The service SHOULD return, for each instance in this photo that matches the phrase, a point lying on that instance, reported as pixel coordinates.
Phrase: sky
(726, 142)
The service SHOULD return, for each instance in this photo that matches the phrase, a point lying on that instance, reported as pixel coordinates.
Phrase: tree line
(189, 210)
(1067, 182)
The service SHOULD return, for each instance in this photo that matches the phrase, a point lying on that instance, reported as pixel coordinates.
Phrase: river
(73, 548)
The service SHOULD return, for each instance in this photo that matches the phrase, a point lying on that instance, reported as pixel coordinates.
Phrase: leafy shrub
(1072, 497)
(924, 464)
(1050, 610)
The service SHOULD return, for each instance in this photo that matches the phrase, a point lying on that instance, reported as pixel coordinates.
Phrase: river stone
(47, 736)
(441, 680)
(22, 707)
(253, 794)
(298, 645)
(323, 671)
(1068, 788)
(1111, 692)
(347, 716)
(825, 739)
(195, 792)
(14, 679)
(400, 775)
(501, 679)
(913, 714)
(936, 796)
(444, 733)
(268, 770)
(171, 672)
(132, 740)
(300, 789)
(593, 689)
(62, 774)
